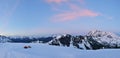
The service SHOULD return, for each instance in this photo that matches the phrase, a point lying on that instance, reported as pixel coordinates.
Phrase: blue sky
(28, 17)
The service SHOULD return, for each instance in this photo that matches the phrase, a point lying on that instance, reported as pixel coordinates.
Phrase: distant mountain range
(91, 41)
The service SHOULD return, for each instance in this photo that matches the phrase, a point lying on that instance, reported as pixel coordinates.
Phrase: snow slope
(16, 50)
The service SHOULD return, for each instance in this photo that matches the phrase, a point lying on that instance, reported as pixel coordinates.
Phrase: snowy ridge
(105, 38)
(98, 33)
(68, 40)
(4, 39)
(93, 40)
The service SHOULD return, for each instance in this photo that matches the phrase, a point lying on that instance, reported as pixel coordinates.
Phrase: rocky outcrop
(67, 40)
(63, 40)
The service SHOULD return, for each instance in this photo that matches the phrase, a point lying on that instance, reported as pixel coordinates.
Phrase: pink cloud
(82, 1)
(64, 16)
(74, 10)
(73, 6)
(56, 1)
(89, 13)
(67, 16)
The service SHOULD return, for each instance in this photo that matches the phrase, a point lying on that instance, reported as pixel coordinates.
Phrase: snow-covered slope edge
(16, 50)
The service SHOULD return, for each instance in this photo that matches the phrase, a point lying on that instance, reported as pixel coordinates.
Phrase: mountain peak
(98, 33)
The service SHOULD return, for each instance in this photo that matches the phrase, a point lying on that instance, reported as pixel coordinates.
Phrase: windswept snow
(16, 50)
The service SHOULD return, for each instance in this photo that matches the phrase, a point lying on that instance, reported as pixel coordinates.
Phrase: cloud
(61, 1)
(67, 16)
(82, 1)
(56, 1)
(74, 7)
(72, 12)
(89, 13)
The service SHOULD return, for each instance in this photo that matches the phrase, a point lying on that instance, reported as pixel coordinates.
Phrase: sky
(33, 17)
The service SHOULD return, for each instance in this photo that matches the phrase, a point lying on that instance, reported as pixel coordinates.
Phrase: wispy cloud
(67, 16)
(56, 1)
(73, 11)
(82, 1)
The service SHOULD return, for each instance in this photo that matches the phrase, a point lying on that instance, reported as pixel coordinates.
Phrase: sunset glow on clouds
(73, 15)
(56, 1)
(73, 12)
(26, 17)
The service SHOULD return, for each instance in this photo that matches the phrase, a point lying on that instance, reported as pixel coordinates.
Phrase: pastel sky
(28, 17)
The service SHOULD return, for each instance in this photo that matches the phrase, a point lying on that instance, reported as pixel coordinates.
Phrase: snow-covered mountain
(4, 39)
(105, 38)
(93, 40)
(68, 40)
